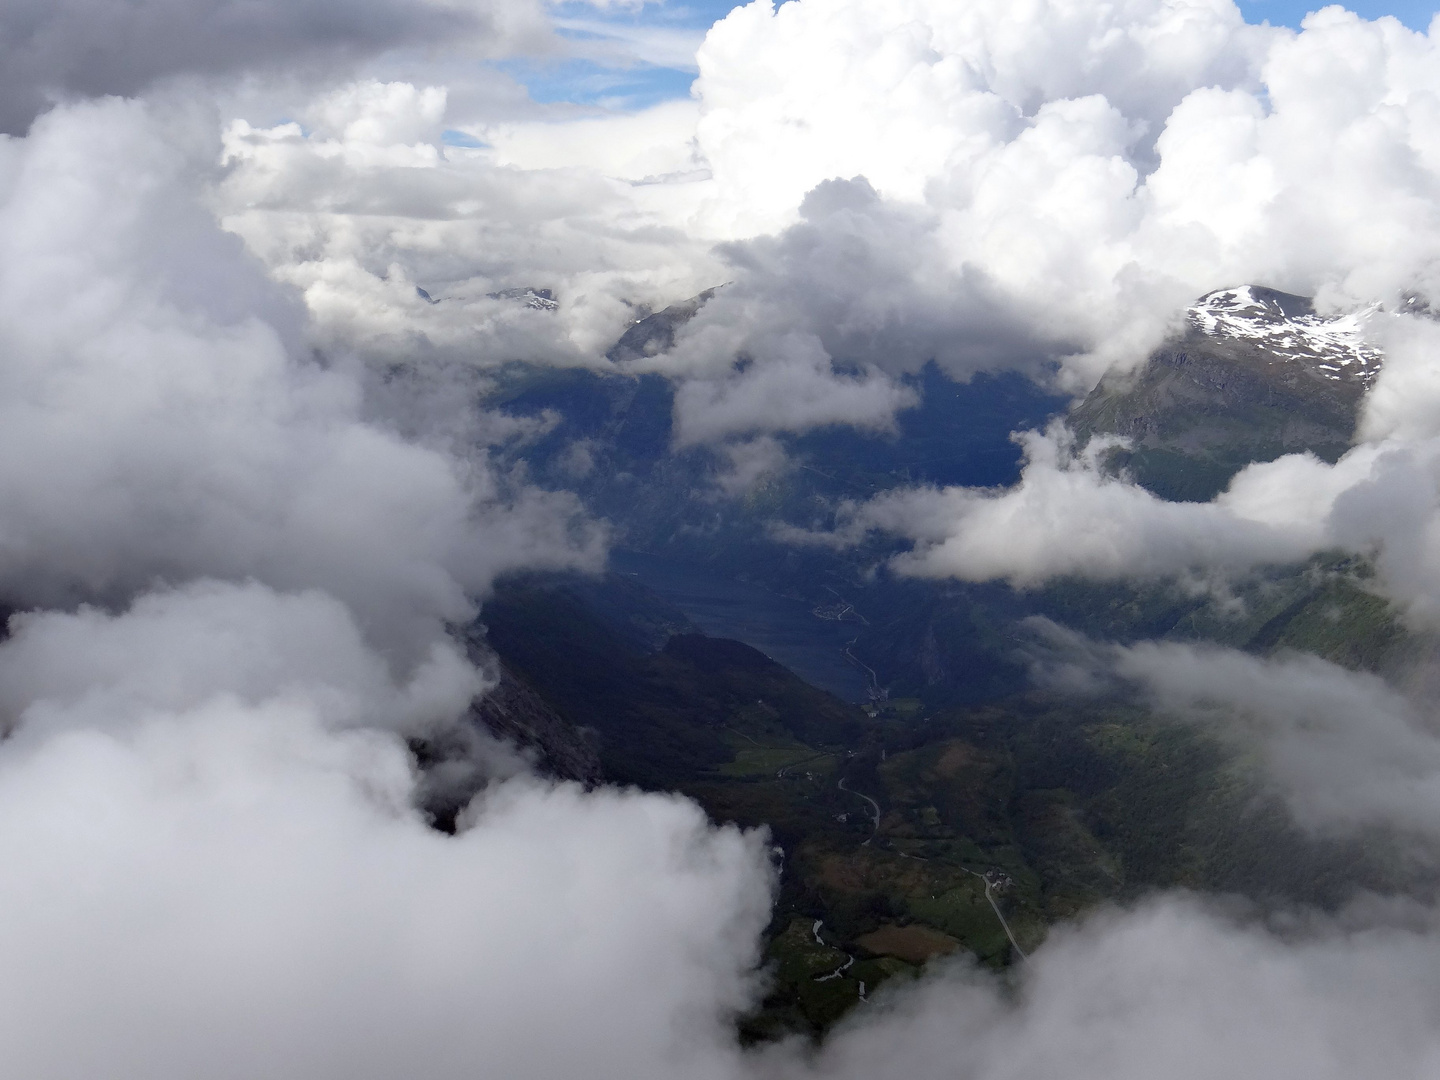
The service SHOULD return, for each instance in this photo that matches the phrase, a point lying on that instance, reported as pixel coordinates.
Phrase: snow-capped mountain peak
(1287, 326)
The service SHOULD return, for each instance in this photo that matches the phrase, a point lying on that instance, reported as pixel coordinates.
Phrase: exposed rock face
(1287, 328)
(457, 763)
(655, 333)
(535, 299)
(1257, 374)
(514, 712)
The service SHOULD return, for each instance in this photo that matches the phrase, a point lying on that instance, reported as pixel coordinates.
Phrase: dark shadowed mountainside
(515, 712)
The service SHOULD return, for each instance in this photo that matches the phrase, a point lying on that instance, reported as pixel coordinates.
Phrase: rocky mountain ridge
(1333, 347)
(1255, 374)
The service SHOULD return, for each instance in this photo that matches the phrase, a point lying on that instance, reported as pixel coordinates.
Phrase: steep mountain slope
(516, 712)
(659, 711)
(1256, 374)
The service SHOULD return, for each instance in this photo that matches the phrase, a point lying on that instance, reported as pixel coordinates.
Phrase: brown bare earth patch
(955, 758)
(843, 874)
(914, 944)
(867, 870)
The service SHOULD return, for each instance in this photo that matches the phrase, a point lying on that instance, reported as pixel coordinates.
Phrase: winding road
(780, 773)
(989, 887)
(876, 694)
(875, 805)
(996, 908)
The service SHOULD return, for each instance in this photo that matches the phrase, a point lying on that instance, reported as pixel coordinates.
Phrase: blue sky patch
(586, 82)
(634, 59)
(1415, 14)
(461, 139)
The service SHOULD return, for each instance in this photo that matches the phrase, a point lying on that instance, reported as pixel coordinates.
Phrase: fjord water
(785, 629)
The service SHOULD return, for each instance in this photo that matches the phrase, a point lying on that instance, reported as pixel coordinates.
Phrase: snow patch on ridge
(1288, 326)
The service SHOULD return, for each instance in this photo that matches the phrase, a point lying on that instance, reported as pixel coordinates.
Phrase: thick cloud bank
(158, 419)
(214, 869)
(61, 49)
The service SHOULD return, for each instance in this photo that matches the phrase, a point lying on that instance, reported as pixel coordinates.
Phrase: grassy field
(759, 761)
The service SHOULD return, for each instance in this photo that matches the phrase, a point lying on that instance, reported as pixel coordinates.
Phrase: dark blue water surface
(783, 629)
